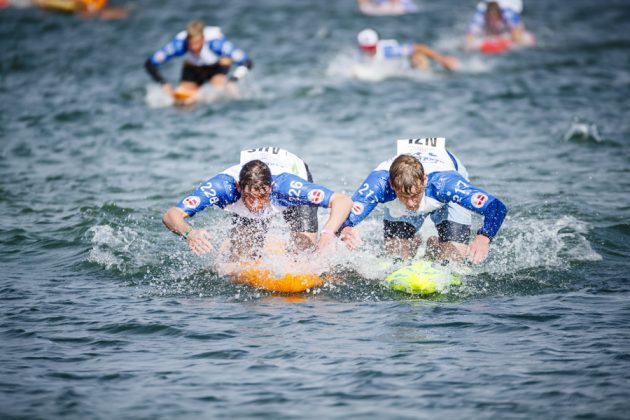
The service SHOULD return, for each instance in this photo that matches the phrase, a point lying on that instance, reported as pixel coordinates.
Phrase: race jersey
(444, 185)
(511, 18)
(215, 46)
(389, 49)
(289, 187)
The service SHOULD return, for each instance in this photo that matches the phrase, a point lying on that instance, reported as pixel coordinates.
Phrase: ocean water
(104, 313)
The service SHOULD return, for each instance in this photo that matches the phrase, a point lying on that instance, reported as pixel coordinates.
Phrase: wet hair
(195, 28)
(493, 6)
(406, 173)
(255, 175)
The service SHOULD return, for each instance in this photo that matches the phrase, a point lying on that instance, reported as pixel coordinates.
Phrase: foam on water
(346, 66)
(169, 267)
(155, 97)
(540, 243)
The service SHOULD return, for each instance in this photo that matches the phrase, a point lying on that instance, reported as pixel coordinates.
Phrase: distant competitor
(208, 56)
(87, 8)
(268, 181)
(426, 180)
(374, 49)
(494, 21)
(386, 7)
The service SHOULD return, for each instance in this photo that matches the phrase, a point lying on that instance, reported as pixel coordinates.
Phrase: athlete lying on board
(208, 56)
(268, 181)
(425, 179)
(386, 7)
(495, 19)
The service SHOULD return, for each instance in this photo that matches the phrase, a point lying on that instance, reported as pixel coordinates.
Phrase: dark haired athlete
(268, 181)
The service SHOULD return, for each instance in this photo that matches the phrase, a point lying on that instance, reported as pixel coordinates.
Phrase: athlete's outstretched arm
(449, 63)
(375, 189)
(197, 239)
(340, 205)
(494, 215)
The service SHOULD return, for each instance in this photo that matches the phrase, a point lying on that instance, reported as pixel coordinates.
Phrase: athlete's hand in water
(168, 89)
(451, 63)
(199, 241)
(478, 249)
(231, 89)
(326, 243)
(351, 237)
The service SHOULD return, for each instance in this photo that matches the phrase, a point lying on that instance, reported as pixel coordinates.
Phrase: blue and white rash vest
(444, 185)
(215, 46)
(389, 49)
(289, 188)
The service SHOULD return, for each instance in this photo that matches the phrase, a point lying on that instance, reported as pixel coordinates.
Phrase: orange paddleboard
(252, 274)
(183, 94)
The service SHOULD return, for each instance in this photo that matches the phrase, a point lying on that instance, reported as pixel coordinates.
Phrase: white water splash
(156, 97)
(346, 66)
(113, 248)
(534, 243)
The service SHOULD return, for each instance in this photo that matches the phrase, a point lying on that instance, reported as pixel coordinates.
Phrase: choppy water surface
(107, 314)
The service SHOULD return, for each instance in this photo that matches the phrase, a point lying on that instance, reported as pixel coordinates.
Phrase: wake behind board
(255, 275)
(422, 278)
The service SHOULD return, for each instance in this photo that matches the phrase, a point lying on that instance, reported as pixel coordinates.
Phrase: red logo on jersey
(191, 202)
(478, 200)
(357, 208)
(316, 196)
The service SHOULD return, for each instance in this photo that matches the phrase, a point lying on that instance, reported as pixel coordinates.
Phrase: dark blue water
(105, 314)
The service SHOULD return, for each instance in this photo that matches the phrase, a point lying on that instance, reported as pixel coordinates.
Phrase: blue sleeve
(452, 187)
(225, 48)
(291, 190)
(397, 51)
(476, 23)
(177, 47)
(511, 18)
(375, 189)
(218, 191)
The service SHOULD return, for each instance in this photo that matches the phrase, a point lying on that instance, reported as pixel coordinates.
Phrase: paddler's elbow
(342, 201)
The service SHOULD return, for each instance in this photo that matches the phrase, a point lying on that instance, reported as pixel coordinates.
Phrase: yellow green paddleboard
(422, 278)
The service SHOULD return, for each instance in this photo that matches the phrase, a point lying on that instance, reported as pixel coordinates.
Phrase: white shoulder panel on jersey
(279, 160)
(515, 5)
(233, 171)
(431, 152)
(181, 36)
(212, 32)
(420, 145)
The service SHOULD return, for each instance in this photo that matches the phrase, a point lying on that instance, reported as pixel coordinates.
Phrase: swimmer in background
(497, 18)
(208, 56)
(86, 8)
(386, 7)
(373, 48)
(274, 182)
